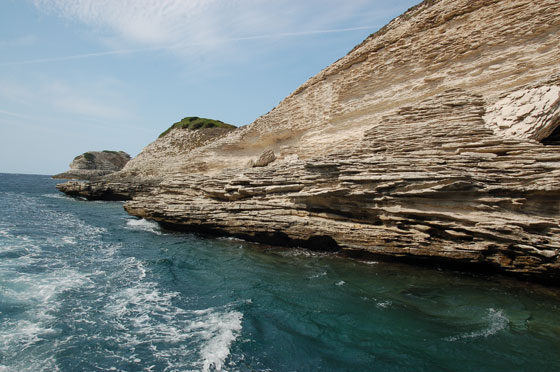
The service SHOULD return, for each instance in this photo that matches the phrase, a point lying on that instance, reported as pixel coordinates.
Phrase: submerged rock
(430, 142)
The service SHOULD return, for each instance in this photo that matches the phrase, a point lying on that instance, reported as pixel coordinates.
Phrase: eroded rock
(94, 164)
(422, 145)
(264, 159)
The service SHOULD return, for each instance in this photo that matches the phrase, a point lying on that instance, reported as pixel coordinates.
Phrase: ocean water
(85, 287)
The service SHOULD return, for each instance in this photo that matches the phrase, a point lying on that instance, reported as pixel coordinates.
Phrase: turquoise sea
(85, 287)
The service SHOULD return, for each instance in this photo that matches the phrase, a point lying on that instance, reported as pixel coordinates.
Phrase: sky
(86, 75)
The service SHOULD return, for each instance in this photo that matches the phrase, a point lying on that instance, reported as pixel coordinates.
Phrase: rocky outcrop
(94, 164)
(266, 158)
(413, 189)
(169, 153)
(432, 141)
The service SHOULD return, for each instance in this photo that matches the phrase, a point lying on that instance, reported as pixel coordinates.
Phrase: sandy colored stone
(422, 144)
(95, 164)
(265, 158)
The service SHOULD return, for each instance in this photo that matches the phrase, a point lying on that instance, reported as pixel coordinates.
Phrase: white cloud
(204, 23)
(143, 21)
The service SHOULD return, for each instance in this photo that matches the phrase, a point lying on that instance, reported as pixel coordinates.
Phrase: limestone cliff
(170, 153)
(435, 140)
(94, 164)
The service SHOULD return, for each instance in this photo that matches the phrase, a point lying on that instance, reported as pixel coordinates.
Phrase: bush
(194, 123)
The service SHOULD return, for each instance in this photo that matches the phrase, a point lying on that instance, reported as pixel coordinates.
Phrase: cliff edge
(94, 164)
(433, 141)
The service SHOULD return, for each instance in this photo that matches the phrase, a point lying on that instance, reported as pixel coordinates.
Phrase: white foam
(144, 225)
(138, 310)
(57, 196)
(36, 296)
(340, 283)
(383, 304)
(219, 331)
(497, 322)
(301, 252)
(69, 240)
(143, 313)
(231, 238)
(318, 275)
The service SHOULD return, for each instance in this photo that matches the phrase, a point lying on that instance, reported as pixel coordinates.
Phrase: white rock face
(422, 144)
(94, 164)
(532, 113)
(100, 160)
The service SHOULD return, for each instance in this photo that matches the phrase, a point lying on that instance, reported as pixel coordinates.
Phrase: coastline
(421, 145)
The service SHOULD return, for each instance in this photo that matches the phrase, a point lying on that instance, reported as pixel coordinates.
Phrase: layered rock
(425, 143)
(94, 164)
(168, 154)
(413, 188)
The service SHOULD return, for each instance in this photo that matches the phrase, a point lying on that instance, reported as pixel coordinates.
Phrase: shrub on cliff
(194, 123)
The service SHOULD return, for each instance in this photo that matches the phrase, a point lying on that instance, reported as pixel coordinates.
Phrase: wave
(497, 321)
(318, 275)
(35, 276)
(300, 252)
(143, 225)
(57, 196)
(35, 297)
(219, 331)
(142, 313)
(383, 304)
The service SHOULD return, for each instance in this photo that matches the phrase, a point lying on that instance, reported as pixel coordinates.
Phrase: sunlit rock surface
(432, 141)
(94, 164)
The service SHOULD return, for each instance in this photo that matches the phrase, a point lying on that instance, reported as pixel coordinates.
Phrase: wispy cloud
(12, 114)
(180, 25)
(180, 46)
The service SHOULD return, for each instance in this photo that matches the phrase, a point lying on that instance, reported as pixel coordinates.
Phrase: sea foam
(219, 331)
(143, 225)
(142, 313)
(497, 321)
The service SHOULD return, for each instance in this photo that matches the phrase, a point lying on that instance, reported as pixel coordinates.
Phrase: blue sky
(79, 75)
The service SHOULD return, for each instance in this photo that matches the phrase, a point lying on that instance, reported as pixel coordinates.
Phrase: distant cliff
(94, 164)
(434, 141)
(171, 150)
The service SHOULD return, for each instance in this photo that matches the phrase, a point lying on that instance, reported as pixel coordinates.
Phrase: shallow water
(85, 287)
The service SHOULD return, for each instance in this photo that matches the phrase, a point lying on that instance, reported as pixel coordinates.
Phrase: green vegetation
(89, 156)
(110, 152)
(194, 122)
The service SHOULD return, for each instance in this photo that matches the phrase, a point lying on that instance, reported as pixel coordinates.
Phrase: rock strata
(94, 164)
(433, 141)
(266, 158)
(168, 154)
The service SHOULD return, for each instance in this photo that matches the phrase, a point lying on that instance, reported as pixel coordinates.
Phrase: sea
(86, 287)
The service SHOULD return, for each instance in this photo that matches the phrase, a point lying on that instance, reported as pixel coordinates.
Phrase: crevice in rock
(554, 138)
